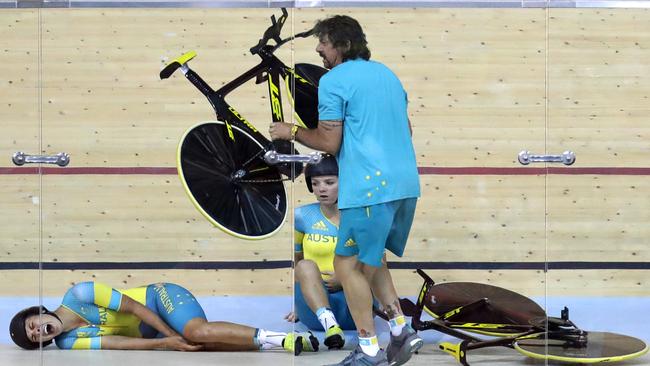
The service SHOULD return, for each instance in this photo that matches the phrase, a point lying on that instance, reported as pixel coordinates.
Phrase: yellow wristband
(294, 129)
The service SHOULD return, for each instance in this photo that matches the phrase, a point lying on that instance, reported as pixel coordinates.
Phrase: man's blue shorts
(368, 231)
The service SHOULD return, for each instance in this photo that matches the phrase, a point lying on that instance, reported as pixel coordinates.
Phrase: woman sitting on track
(158, 316)
(319, 300)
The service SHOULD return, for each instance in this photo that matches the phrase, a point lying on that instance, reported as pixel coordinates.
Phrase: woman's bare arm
(176, 343)
(131, 306)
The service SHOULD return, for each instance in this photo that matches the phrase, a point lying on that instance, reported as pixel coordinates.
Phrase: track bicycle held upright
(231, 172)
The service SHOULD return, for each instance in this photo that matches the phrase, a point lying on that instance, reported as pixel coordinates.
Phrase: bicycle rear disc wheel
(507, 312)
(229, 183)
(600, 347)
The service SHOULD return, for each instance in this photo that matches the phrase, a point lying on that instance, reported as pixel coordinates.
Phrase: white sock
(267, 339)
(326, 318)
(369, 345)
(396, 325)
(266, 346)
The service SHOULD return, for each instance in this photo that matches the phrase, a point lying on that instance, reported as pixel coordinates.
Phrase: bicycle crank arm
(272, 157)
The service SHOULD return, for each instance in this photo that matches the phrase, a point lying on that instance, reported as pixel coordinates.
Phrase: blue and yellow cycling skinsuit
(99, 305)
(315, 238)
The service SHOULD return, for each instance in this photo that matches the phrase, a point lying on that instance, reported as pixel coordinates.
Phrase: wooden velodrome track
(483, 85)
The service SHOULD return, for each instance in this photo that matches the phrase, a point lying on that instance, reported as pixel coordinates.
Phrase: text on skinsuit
(103, 315)
(318, 238)
(164, 298)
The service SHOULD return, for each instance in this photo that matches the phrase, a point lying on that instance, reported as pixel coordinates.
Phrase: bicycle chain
(263, 180)
(253, 157)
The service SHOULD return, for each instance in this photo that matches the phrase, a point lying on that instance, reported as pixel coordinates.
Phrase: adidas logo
(319, 226)
(350, 243)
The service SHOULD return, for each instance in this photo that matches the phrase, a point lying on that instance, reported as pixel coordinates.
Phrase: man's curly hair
(341, 31)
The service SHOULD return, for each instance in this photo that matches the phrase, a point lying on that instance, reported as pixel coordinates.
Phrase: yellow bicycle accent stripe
(466, 327)
(452, 312)
(275, 100)
(426, 309)
(230, 134)
(241, 118)
(453, 349)
(293, 102)
(578, 359)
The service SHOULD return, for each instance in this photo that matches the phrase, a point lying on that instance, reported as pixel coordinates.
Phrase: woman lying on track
(158, 316)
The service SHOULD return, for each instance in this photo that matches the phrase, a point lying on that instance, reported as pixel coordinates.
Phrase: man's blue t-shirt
(376, 159)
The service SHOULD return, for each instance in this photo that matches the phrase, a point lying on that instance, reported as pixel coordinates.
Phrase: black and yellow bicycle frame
(461, 308)
(270, 69)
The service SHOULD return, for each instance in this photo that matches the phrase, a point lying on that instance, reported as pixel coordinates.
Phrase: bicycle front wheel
(600, 347)
(227, 180)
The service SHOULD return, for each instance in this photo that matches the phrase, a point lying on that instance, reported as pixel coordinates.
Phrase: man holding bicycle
(363, 120)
